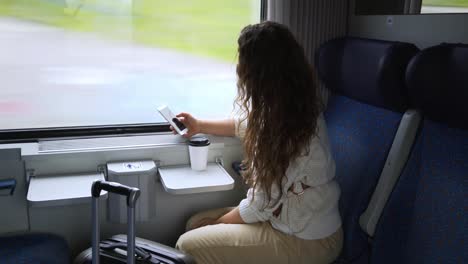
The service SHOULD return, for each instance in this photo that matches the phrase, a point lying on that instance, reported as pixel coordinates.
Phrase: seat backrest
(363, 115)
(424, 220)
(34, 248)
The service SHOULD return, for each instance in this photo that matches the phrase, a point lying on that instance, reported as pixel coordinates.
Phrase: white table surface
(184, 180)
(62, 190)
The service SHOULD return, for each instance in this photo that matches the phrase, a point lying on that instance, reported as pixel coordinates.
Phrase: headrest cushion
(367, 70)
(437, 80)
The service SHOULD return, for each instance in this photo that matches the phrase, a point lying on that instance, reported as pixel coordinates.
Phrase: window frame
(33, 135)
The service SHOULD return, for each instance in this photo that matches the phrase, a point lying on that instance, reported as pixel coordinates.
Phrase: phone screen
(173, 120)
(178, 123)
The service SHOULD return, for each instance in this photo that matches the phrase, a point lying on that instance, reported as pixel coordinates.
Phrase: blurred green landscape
(451, 3)
(203, 27)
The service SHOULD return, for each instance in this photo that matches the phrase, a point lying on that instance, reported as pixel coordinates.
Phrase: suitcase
(114, 249)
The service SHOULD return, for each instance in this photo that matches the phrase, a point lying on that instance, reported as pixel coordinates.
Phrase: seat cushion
(360, 137)
(34, 248)
(425, 218)
(366, 77)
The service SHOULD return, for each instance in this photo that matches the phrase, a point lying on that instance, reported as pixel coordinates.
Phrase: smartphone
(173, 120)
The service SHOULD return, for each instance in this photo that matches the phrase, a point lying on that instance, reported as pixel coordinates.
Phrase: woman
(290, 214)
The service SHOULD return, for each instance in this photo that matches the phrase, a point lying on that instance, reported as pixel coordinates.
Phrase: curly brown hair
(278, 96)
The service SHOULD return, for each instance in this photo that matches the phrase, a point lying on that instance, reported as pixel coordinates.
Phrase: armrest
(8, 184)
(238, 167)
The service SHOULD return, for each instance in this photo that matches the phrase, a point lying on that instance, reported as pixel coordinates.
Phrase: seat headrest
(367, 70)
(437, 80)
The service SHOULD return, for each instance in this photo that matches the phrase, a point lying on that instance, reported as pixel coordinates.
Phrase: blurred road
(51, 77)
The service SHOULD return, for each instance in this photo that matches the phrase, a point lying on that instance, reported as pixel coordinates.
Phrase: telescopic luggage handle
(132, 195)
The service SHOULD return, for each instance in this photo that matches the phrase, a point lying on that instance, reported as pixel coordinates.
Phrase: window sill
(97, 144)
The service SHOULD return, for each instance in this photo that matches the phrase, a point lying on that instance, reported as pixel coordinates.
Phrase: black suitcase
(114, 249)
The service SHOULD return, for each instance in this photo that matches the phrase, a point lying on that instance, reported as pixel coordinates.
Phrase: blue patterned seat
(425, 221)
(362, 116)
(33, 249)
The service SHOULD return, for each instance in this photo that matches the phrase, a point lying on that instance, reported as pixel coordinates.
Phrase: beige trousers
(253, 243)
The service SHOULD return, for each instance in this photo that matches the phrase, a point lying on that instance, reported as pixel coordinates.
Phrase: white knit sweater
(312, 215)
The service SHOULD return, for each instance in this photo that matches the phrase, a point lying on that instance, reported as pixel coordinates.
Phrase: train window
(69, 64)
(444, 6)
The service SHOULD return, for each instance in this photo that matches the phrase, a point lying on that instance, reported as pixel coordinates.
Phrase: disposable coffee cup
(198, 150)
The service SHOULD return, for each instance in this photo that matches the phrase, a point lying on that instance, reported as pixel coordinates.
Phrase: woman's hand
(231, 217)
(192, 124)
(205, 222)
(214, 127)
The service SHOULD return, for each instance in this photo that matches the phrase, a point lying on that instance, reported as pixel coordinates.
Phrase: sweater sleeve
(251, 211)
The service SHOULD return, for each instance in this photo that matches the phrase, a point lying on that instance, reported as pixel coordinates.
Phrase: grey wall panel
(10, 154)
(422, 30)
(14, 214)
